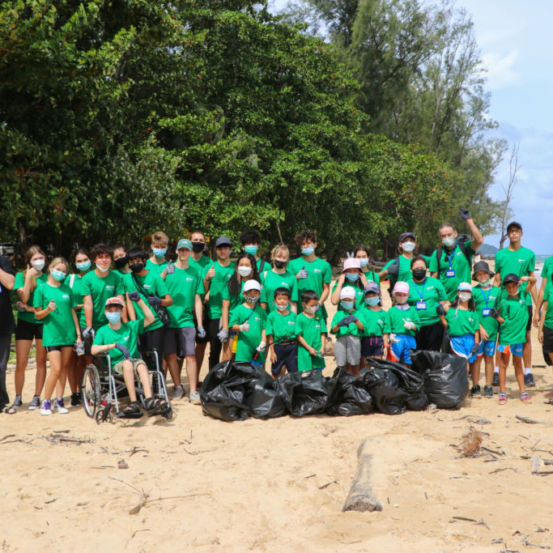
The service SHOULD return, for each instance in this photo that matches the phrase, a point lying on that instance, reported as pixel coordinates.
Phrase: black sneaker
(488, 391)
(475, 391)
(495, 381)
(75, 399)
(529, 380)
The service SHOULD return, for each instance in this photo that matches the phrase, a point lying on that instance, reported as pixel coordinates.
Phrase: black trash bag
(445, 377)
(384, 387)
(304, 392)
(349, 395)
(224, 389)
(410, 381)
(263, 399)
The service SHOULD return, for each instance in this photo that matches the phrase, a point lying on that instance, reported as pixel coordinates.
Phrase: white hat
(464, 287)
(347, 292)
(401, 287)
(251, 285)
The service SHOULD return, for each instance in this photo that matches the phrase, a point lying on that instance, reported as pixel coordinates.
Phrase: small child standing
(311, 333)
(347, 327)
(464, 327)
(248, 321)
(373, 318)
(281, 334)
(402, 321)
(512, 316)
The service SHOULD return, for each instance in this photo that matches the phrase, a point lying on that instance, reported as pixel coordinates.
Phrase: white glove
(244, 327)
(393, 339)
(200, 332)
(261, 347)
(408, 325)
(170, 269)
(302, 274)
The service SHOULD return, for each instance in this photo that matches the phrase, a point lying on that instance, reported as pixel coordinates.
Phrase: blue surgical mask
(363, 261)
(347, 305)
(113, 316)
(159, 252)
(307, 251)
(58, 275)
(281, 307)
(352, 277)
(252, 250)
(372, 301)
(83, 266)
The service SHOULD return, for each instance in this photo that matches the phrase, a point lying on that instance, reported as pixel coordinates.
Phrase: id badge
(485, 312)
(450, 273)
(421, 305)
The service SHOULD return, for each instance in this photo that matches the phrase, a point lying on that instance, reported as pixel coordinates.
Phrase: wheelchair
(102, 388)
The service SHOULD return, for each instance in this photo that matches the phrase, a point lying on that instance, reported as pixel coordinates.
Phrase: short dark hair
(305, 235)
(119, 247)
(250, 237)
(136, 252)
(99, 249)
(308, 295)
(282, 291)
(418, 258)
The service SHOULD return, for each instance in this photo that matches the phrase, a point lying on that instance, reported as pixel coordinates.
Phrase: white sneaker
(60, 407)
(46, 408)
(194, 398)
(178, 392)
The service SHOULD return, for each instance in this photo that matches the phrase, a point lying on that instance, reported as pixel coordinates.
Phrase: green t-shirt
(281, 327)
(515, 313)
(151, 284)
(75, 282)
(404, 267)
(548, 297)
(462, 321)
(216, 287)
(359, 293)
(396, 319)
(262, 268)
(235, 301)
(453, 268)
(351, 329)
(20, 284)
(485, 300)
(58, 326)
(127, 335)
(250, 339)
(425, 297)
(520, 262)
(373, 321)
(272, 281)
(547, 270)
(100, 289)
(310, 328)
(319, 272)
(205, 261)
(183, 285)
(156, 268)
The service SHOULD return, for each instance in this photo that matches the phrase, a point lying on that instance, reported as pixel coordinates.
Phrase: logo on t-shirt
(317, 271)
(110, 286)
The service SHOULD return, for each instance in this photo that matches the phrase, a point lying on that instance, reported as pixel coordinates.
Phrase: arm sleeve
(433, 265)
(269, 326)
(327, 275)
(99, 338)
(442, 296)
(161, 287)
(532, 263)
(38, 297)
(299, 327)
(19, 281)
(294, 292)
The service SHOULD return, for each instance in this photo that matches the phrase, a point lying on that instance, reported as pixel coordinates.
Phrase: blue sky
(516, 41)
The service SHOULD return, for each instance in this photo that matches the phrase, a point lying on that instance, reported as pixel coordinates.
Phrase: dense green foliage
(121, 117)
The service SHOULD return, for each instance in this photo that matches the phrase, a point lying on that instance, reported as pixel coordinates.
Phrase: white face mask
(38, 264)
(465, 296)
(102, 269)
(244, 271)
(449, 241)
(408, 246)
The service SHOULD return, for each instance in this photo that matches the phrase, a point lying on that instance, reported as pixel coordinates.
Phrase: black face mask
(136, 267)
(198, 247)
(121, 262)
(280, 264)
(419, 274)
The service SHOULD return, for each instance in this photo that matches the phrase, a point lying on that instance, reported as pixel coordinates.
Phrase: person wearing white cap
(463, 325)
(248, 322)
(351, 276)
(402, 322)
(347, 327)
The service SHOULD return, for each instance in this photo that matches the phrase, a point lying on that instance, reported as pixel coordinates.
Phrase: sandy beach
(198, 484)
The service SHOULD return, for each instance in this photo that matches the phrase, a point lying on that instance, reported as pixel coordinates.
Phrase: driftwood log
(360, 496)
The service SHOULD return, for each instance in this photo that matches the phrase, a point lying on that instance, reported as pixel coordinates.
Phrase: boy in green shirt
(157, 261)
(545, 329)
(311, 333)
(373, 318)
(281, 334)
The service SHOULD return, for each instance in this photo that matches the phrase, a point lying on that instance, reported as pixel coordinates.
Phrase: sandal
(155, 406)
(524, 397)
(502, 398)
(131, 411)
(12, 409)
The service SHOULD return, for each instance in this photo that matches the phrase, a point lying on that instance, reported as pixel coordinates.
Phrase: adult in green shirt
(216, 277)
(251, 241)
(518, 260)
(151, 287)
(185, 286)
(426, 295)
(28, 327)
(399, 268)
(452, 261)
(278, 277)
(312, 272)
(545, 329)
(54, 305)
(546, 274)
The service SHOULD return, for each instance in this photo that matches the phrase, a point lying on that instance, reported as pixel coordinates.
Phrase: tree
(509, 190)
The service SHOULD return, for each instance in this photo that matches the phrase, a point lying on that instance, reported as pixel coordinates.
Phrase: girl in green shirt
(362, 253)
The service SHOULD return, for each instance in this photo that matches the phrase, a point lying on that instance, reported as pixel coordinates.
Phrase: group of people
(120, 301)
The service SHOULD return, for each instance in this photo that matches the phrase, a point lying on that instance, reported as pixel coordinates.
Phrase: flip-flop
(12, 409)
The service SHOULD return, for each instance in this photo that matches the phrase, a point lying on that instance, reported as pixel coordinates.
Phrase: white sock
(496, 370)
(527, 370)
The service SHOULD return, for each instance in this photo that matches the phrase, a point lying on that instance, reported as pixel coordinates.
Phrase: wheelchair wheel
(90, 390)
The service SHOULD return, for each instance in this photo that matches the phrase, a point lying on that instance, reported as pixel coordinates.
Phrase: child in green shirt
(373, 317)
(311, 333)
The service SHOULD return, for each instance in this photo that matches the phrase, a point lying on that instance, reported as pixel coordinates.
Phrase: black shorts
(27, 331)
(57, 348)
(530, 315)
(547, 340)
(372, 346)
(180, 341)
(287, 355)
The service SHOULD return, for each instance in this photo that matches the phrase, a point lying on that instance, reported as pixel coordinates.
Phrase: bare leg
(226, 352)
(200, 353)
(40, 367)
(66, 360)
(128, 376)
(489, 364)
(142, 371)
(55, 358)
(519, 372)
(192, 372)
(476, 371)
(72, 372)
(503, 361)
(22, 349)
(527, 351)
(174, 369)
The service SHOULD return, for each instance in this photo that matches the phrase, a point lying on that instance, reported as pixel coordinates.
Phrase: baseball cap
(223, 241)
(511, 277)
(347, 292)
(464, 287)
(114, 301)
(351, 263)
(184, 243)
(512, 224)
(372, 287)
(401, 287)
(251, 285)
(407, 235)
(480, 266)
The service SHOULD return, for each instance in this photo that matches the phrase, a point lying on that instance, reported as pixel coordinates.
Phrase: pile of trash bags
(235, 391)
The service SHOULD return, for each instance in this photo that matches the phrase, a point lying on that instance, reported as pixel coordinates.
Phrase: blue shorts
(400, 350)
(487, 348)
(461, 346)
(515, 349)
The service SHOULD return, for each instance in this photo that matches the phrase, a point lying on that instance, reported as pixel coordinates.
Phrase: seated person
(120, 341)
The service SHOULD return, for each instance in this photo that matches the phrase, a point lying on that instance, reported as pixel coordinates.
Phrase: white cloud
(501, 69)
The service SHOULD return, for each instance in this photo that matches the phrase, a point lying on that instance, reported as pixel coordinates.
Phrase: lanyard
(421, 294)
(451, 256)
(484, 297)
